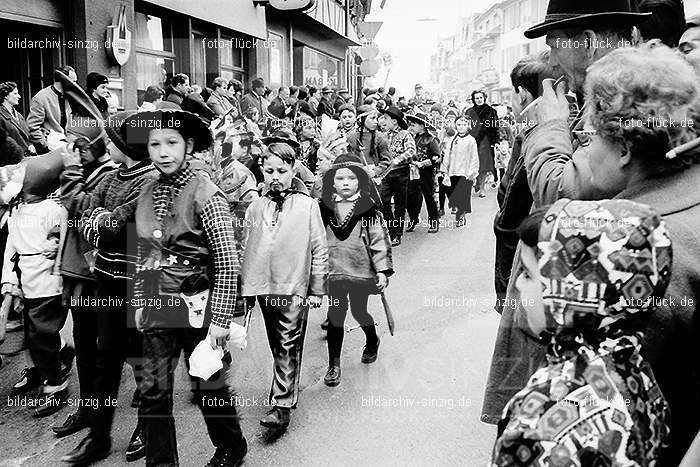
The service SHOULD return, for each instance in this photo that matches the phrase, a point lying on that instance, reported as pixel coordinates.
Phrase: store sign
(118, 39)
(292, 5)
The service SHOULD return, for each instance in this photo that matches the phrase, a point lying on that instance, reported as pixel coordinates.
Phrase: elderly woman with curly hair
(641, 103)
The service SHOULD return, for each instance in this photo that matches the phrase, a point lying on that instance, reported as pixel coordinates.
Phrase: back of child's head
(598, 259)
(281, 150)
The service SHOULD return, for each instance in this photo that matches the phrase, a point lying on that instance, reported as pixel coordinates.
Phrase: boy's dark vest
(176, 246)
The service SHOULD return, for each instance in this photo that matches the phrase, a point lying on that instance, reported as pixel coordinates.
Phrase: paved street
(418, 404)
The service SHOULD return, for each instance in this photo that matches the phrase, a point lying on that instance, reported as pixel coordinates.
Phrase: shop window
(275, 58)
(232, 59)
(320, 69)
(153, 33)
(152, 70)
(199, 60)
(155, 60)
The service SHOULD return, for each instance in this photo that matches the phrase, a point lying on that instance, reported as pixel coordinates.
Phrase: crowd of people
(158, 227)
(154, 227)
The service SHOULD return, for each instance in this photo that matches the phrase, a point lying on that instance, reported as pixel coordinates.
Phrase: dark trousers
(75, 293)
(461, 194)
(117, 340)
(395, 185)
(162, 348)
(338, 293)
(503, 265)
(285, 323)
(43, 319)
(422, 188)
(444, 193)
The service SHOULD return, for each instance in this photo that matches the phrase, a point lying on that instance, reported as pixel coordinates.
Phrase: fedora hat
(564, 14)
(137, 127)
(395, 113)
(421, 118)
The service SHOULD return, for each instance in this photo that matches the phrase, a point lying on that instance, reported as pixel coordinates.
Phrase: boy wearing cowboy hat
(402, 148)
(426, 161)
(107, 224)
(186, 245)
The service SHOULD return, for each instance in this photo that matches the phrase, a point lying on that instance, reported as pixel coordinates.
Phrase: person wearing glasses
(642, 144)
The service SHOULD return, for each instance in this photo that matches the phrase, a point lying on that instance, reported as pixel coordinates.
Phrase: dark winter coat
(485, 131)
(16, 128)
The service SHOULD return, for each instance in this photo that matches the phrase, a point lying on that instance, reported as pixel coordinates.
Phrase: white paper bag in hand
(238, 336)
(205, 361)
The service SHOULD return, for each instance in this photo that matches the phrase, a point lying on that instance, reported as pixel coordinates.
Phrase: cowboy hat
(114, 126)
(80, 102)
(138, 126)
(421, 118)
(565, 14)
(396, 114)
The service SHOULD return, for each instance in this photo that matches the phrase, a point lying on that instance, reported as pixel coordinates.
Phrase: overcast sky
(412, 41)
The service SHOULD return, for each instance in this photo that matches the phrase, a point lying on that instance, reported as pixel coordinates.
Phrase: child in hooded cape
(355, 230)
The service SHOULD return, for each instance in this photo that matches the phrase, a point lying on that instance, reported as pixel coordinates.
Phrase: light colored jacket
(286, 256)
(461, 158)
(45, 115)
(33, 234)
(219, 105)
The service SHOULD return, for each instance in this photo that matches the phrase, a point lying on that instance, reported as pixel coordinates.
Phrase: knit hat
(137, 127)
(601, 259)
(114, 126)
(95, 79)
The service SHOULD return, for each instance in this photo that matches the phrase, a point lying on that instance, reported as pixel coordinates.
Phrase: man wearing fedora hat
(426, 160)
(325, 106)
(578, 34)
(402, 148)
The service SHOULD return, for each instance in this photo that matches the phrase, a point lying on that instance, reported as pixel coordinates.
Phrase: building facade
(240, 39)
(484, 49)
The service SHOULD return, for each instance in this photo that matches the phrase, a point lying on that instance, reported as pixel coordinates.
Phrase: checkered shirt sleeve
(218, 227)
